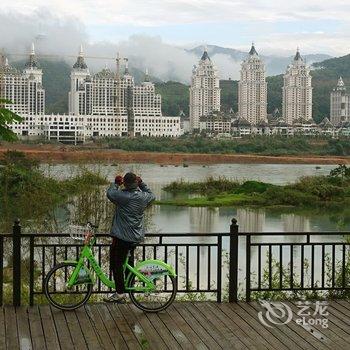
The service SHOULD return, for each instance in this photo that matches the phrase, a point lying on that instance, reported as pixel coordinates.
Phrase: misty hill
(274, 64)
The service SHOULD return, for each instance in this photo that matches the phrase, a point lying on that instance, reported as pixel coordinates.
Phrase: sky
(275, 25)
(154, 32)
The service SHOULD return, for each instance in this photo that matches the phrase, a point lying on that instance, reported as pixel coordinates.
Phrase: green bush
(289, 196)
(254, 187)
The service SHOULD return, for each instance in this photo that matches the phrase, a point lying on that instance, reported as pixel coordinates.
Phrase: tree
(7, 117)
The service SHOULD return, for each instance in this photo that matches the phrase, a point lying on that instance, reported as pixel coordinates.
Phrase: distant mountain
(274, 64)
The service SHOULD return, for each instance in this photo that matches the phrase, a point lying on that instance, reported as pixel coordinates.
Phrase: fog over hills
(274, 64)
(61, 38)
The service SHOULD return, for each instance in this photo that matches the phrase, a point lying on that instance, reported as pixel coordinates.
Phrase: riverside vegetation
(312, 191)
(259, 145)
(27, 193)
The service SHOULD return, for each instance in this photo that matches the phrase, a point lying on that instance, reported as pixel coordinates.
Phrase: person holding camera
(131, 197)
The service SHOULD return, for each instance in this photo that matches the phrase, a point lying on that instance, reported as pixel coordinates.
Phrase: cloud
(60, 28)
(51, 35)
(161, 12)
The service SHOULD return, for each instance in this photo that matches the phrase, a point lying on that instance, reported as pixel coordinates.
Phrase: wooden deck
(187, 325)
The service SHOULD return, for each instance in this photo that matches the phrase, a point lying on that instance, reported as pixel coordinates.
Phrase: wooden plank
(100, 328)
(209, 326)
(251, 327)
(231, 324)
(328, 336)
(163, 331)
(197, 327)
(11, 328)
(2, 329)
(175, 331)
(49, 327)
(151, 331)
(185, 328)
(75, 330)
(291, 339)
(63, 334)
(236, 343)
(344, 303)
(92, 338)
(36, 329)
(148, 336)
(112, 329)
(247, 311)
(336, 325)
(311, 335)
(127, 333)
(340, 312)
(24, 336)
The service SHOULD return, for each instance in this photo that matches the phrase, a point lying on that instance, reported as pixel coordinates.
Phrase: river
(185, 219)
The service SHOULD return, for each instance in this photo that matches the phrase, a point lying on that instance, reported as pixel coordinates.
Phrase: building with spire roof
(339, 104)
(297, 91)
(115, 106)
(78, 102)
(252, 89)
(25, 91)
(204, 90)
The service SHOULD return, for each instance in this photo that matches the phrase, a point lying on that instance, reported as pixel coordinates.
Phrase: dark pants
(118, 253)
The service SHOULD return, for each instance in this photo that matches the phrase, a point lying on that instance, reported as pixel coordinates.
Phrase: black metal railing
(220, 265)
(196, 257)
(297, 266)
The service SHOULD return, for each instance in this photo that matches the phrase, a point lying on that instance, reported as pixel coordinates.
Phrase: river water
(171, 219)
(185, 219)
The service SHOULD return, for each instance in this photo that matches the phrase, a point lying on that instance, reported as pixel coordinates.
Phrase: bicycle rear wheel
(156, 300)
(57, 292)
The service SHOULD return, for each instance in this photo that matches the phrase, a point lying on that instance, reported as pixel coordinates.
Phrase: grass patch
(311, 191)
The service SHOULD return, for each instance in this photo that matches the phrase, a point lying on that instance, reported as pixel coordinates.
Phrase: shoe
(116, 298)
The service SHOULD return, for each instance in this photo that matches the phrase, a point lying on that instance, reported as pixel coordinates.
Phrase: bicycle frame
(88, 255)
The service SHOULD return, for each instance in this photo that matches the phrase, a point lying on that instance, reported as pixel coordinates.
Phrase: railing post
(16, 263)
(233, 263)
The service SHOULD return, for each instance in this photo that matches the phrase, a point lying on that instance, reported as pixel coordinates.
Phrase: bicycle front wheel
(156, 300)
(61, 296)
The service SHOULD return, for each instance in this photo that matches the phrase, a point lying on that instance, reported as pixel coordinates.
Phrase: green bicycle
(151, 284)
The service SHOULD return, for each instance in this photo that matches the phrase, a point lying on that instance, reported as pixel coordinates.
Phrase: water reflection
(94, 206)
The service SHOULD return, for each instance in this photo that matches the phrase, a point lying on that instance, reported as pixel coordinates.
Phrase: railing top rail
(6, 234)
(323, 233)
(203, 234)
(100, 234)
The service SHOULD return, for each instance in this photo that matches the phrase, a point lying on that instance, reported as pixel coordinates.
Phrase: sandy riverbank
(59, 154)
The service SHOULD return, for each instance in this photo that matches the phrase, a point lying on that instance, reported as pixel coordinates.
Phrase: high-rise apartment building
(297, 91)
(24, 89)
(111, 94)
(340, 104)
(252, 89)
(204, 90)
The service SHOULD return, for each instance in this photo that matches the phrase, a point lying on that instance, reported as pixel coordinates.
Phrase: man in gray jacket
(127, 228)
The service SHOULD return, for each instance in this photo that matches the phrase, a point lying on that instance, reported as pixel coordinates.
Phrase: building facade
(114, 95)
(105, 104)
(339, 104)
(297, 91)
(23, 88)
(252, 89)
(204, 90)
